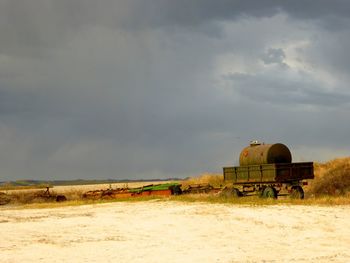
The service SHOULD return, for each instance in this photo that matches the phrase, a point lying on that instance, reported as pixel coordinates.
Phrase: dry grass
(216, 180)
(256, 201)
(8, 187)
(74, 194)
(20, 197)
(322, 168)
(24, 196)
(200, 198)
(331, 186)
(331, 178)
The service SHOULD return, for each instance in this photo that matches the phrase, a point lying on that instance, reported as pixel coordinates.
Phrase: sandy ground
(159, 231)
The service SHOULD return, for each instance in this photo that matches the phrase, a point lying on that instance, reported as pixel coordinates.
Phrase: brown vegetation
(216, 180)
(41, 196)
(331, 186)
(331, 178)
(4, 199)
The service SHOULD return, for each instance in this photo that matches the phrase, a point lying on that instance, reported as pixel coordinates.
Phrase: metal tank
(257, 153)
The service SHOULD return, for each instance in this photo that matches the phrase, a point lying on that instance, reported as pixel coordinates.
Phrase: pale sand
(160, 231)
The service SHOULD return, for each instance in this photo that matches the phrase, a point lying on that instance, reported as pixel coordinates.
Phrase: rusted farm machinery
(166, 189)
(267, 170)
(48, 196)
(28, 196)
(4, 199)
(201, 189)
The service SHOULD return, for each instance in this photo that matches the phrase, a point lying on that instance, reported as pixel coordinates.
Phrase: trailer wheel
(297, 192)
(261, 192)
(176, 190)
(231, 193)
(270, 192)
(236, 193)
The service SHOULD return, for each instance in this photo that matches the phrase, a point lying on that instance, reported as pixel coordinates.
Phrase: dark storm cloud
(45, 23)
(142, 89)
(275, 90)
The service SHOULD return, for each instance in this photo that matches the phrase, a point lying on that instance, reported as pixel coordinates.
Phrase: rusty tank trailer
(256, 154)
(267, 170)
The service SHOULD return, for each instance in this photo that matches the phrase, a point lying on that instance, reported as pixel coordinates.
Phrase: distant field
(331, 186)
(73, 193)
(83, 187)
(184, 228)
(35, 184)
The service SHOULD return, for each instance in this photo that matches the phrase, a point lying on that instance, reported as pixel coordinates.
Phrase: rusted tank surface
(257, 154)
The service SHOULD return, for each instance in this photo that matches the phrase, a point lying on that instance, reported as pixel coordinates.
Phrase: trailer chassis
(271, 189)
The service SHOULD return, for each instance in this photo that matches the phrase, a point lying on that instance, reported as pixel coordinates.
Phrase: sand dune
(155, 231)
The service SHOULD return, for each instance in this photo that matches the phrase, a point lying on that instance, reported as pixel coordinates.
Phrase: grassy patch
(330, 187)
(197, 198)
(256, 201)
(216, 180)
(331, 178)
(8, 187)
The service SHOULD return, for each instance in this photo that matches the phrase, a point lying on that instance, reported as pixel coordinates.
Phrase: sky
(140, 89)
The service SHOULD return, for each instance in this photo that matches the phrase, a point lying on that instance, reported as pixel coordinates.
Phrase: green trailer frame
(269, 180)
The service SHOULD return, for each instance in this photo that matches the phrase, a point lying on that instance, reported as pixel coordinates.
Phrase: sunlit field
(200, 227)
(331, 186)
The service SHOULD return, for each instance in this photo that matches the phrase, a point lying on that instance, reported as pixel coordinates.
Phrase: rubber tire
(236, 193)
(176, 190)
(297, 192)
(61, 198)
(231, 193)
(270, 192)
(261, 192)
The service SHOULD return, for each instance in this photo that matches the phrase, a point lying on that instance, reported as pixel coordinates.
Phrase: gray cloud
(41, 24)
(274, 55)
(135, 89)
(274, 89)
